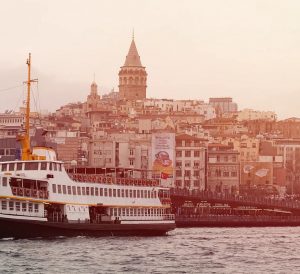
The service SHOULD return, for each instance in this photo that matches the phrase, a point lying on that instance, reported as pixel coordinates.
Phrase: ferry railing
(96, 178)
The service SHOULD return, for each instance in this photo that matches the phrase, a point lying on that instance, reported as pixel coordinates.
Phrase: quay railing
(229, 198)
(230, 218)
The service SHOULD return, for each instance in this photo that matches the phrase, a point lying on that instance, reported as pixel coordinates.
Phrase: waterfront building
(223, 168)
(132, 76)
(190, 158)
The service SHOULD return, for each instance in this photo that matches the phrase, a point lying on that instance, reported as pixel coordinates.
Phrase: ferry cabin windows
(4, 167)
(11, 166)
(31, 166)
(43, 166)
(4, 181)
(104, 192)
(19, 207)
(3, 205)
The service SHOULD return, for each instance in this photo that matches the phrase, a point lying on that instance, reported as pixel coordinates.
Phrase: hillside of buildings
(212, 145)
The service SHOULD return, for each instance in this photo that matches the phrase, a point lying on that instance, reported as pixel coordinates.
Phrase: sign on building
(163, 156)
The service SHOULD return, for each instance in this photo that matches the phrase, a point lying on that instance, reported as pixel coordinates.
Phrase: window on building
(225, 174)
(54, 188)
(78, 190)
(36, 208)
(30, 205)
(188, 143)
(178, 164)
(178, 173)
(131, 152)
(96, 191)
(64, 189)
(92, 191)
(187, 183)
(83, 190)
(87, 191)
(59, 189)
(187, 153)
(179, 143)
(131, 162)
(69, 190)
(178, 153)
(196, 173)
(196, 183)
(187, 163)
(187, 173)
(197, 153)
(178, 183)
(233, 174)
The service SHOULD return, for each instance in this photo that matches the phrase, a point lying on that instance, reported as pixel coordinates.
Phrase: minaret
(132, 76)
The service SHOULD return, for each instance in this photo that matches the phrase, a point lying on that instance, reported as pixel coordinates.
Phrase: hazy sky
(249, 50)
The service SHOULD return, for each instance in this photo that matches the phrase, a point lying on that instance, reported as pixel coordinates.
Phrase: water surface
(185, 250)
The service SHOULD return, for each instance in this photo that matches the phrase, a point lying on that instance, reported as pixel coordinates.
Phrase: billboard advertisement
(163, 153)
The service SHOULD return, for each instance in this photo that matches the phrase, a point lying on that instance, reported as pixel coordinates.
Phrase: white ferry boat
(39, 198)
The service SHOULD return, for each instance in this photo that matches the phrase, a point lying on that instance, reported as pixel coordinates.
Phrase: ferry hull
(12, 228)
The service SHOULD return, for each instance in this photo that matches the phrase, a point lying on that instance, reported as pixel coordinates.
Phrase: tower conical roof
(133, 59)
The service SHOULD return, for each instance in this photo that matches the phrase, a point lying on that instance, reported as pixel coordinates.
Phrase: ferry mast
(24, 137)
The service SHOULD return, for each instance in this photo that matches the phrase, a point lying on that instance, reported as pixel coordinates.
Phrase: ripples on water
(194, 250)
